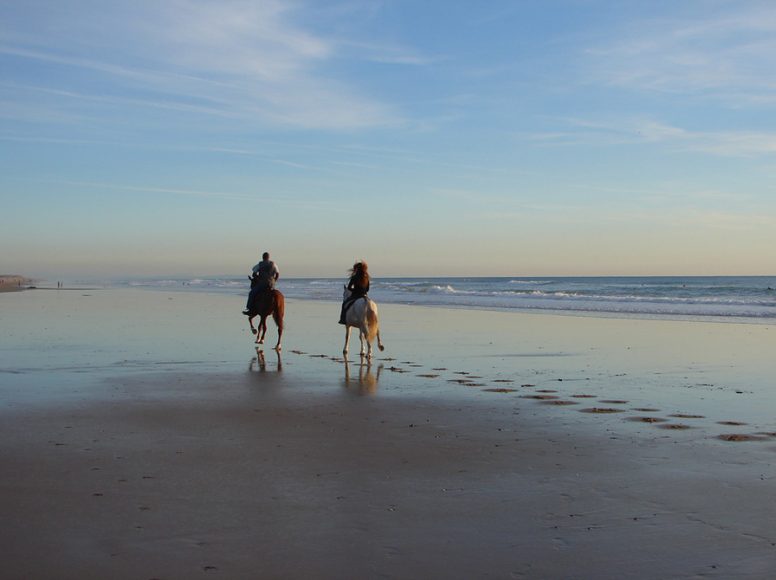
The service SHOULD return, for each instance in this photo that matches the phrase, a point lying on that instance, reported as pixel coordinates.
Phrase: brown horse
(271, 302)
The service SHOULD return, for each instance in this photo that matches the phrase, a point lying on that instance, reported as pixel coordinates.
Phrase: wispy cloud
(630, 131)
(720, 50)
(246, 60)
(225, 195)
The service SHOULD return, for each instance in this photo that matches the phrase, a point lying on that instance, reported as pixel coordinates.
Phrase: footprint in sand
(559, 402)
(499, 390)
(687, 416)
(539, 397)
(675, 426)
(428, 375)
(646, 410)
(741, 437)
(600, 410)
(583, 396)
(731, 423)
(647, 419)
(614, 402)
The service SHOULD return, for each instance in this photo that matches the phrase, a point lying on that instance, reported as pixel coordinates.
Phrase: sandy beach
(142, 435)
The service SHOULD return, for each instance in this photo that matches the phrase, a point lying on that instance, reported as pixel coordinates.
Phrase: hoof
(253, 330)
(278, 348)
(381, 347)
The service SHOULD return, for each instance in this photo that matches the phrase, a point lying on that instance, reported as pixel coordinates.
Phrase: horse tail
(373, 324)
(279, 308)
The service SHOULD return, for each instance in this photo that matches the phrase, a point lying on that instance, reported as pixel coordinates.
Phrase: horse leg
(250, 321)
(262, 330)
(278, 312)
(347, 340)
(379, 342)
(363, 335)
(280, 336)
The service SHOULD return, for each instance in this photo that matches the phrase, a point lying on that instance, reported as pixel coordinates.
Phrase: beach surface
(143, 435)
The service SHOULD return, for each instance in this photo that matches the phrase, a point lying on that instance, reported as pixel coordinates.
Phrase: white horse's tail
(373, 323)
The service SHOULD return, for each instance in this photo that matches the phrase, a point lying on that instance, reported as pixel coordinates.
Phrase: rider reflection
(366, 381)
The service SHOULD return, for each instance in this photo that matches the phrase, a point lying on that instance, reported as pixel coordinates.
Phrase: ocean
(744, 299)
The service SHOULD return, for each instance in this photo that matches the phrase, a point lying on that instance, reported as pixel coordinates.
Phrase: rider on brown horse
(263, 278)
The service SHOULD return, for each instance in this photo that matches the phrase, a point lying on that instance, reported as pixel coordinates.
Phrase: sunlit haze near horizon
(437, 138)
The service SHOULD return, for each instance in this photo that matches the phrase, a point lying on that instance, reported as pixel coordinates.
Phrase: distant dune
(13, 282)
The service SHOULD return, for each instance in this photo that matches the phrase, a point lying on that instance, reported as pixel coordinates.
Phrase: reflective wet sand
(143, 435)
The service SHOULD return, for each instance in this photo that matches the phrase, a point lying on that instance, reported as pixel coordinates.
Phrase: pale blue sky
(570, 137)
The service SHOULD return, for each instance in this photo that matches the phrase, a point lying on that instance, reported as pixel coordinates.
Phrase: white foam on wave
(530, 282)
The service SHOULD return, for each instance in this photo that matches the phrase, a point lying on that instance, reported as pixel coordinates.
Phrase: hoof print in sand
(741, 437)
(600, 410)
(687, 416)
(647, 419)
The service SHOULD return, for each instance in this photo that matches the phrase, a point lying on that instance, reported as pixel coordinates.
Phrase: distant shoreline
(14, 283)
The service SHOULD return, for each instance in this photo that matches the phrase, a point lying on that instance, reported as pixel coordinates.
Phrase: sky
(434, 138)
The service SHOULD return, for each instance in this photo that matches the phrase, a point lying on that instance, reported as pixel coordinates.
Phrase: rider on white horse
(358, 311)
(358, 285)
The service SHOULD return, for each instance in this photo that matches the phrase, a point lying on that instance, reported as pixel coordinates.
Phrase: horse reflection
(366, 381)
(261, 361)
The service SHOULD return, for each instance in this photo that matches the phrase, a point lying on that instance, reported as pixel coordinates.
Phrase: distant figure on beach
(263, 278)
(358, 285)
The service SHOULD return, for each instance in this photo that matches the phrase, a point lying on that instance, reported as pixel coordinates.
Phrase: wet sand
(142, 436)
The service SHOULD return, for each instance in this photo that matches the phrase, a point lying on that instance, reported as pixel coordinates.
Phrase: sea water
(743, 299)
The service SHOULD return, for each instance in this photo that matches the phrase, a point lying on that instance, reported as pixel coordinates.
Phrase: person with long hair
(358, 286)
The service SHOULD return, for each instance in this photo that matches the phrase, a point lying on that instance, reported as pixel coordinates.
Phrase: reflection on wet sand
(261, 361)
(366, 381)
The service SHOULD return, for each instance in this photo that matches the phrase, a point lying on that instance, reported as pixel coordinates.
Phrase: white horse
(362, 314)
